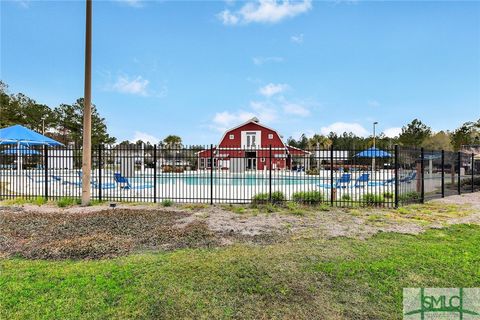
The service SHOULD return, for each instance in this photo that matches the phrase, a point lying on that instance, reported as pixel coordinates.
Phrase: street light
(374, 151)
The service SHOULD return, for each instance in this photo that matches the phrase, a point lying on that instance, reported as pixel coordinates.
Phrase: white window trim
(258, 138)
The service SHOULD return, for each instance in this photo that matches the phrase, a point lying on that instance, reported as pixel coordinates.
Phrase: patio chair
(51, 178)
(381, 183)
(342, 182)
(409, 177)
(361, 181)
(125, 184)
(95, 184)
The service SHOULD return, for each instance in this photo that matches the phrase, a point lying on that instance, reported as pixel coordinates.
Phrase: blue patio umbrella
(373, 153)
(23, 150)
(21, 136)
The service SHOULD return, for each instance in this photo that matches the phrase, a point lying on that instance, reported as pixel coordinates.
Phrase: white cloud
(296, 109)
(392, 132)
(225, 120)
(145, 137)
(262, 60)
(272, 89)
(341, 127)
(137, 85)
(297, 38)
(23, 3)
(265, 11)
(264, 111)
(373, 103)
(227, 17)
(132, 3)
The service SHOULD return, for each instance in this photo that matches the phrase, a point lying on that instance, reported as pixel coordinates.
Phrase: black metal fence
(240, 175)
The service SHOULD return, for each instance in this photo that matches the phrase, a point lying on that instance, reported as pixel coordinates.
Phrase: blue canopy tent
(373, 153)
(20, 136)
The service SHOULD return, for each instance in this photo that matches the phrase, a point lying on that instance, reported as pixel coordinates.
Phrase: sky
(195, 69)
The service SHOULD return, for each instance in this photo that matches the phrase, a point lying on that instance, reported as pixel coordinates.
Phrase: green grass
(308, 197)
(21, 201)
(326, 279)
(167, 203)
(67, 202)
(277, 197)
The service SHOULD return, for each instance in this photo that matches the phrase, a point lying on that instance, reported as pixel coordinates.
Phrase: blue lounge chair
(361, 181)
(342, 182)
(409, 177)
(381, 183)
(125, 184)
(50, 178)
(95, 184)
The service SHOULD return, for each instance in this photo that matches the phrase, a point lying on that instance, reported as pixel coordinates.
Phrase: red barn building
(247, 147)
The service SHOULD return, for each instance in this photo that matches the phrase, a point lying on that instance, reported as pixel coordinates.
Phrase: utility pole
(87, 109)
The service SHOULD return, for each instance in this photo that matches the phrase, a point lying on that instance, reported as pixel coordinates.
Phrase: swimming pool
(234, 180)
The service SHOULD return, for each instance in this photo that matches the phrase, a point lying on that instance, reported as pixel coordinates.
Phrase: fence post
(396, 176)
(459, 178)
(211, 174)
(473, 168)
(99, 172)
(422, 169)
(45, 164)
(270, 174)
(443, 173)
(332, 187)
(154, 173)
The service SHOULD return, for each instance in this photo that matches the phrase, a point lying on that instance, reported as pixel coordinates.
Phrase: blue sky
(196, 68)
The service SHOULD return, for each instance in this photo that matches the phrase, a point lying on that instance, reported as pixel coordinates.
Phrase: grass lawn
(305, 278)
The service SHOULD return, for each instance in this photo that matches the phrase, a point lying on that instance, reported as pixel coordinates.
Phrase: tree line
(414, 134)
(64, 123)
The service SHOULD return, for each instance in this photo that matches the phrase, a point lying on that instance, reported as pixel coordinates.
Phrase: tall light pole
(374, 150)
(87, 109)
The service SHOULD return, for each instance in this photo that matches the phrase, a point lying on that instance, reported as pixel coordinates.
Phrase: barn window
(270, 136)
(232, 137)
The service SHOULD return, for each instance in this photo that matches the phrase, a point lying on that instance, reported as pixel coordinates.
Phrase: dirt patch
(97, 234)
(48, 232)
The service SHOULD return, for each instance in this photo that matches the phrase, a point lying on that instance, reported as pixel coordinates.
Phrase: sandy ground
(99, 231)
(469, 199)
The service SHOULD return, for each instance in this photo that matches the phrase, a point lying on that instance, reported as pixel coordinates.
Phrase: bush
(346, 197)
(167, 203)
(388, 195)
(262, 198)
(409, 196)
(66, 202)
(468, 182)
(39, 201)
(313, 172)
(309, 197)
(372, 199)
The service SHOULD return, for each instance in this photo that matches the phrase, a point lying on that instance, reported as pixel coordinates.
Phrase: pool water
(235, 181)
